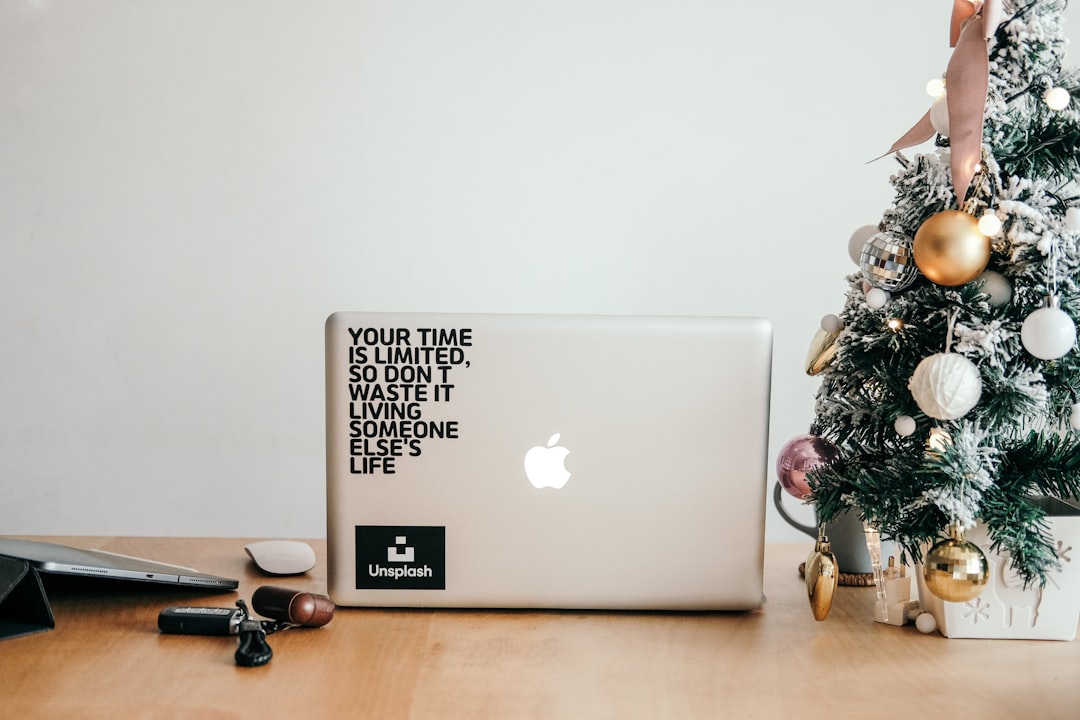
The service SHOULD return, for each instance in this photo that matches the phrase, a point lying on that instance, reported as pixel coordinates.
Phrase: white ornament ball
(1074, 418)
(1072, 220)
(858, 240)
(926, 623)
(939, 114)
(1048, 333)
(1057, 98)
(904, 426)
(831, 323)
(997, 286)
(876, 298)
(946, 386)
(989, 223)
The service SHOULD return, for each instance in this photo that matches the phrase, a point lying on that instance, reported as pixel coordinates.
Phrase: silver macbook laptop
(65, 560)
(514, 461)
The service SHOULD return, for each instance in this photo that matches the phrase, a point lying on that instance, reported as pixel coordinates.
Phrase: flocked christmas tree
(950, 381)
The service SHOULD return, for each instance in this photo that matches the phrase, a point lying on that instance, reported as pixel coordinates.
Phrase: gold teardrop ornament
(822, 351)
(822, 576)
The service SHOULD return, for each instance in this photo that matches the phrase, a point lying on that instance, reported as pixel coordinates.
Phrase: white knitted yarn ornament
(946, 386)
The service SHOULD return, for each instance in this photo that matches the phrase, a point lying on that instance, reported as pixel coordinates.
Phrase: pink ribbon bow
(967, 77)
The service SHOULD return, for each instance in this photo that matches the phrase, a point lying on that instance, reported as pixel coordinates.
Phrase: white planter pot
(1005, 609)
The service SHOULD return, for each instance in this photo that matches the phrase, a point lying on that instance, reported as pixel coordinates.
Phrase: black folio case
(24, 609)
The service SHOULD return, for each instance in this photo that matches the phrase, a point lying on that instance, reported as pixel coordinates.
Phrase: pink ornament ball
(798, 457)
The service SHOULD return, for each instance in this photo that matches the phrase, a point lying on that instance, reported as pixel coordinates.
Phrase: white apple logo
(544, 465)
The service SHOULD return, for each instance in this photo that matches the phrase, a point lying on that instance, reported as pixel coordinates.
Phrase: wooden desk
(106, 659)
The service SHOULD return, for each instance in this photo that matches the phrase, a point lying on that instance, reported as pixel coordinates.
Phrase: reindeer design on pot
(1012, 594)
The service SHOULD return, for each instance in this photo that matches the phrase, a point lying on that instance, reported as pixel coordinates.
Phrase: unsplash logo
(399, 557)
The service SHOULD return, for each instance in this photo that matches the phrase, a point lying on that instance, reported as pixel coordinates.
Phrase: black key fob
(200, 620)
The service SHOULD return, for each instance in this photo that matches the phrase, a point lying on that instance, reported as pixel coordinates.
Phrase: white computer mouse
(282, 557)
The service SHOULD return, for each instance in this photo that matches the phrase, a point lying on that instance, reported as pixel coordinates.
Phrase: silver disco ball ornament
(887, 261)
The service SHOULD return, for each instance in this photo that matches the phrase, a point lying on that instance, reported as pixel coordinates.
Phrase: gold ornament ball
(949, 248)
(956, 570)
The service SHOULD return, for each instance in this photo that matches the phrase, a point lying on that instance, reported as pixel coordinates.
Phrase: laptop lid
(518, 461)
(66, 560)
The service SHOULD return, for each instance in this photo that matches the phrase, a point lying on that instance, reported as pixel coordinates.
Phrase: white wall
(188, 188)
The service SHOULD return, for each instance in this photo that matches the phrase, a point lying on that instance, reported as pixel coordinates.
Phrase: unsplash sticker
(400, 557)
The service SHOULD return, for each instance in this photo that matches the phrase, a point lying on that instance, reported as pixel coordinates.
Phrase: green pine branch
(1039, 466)
(1049, 150)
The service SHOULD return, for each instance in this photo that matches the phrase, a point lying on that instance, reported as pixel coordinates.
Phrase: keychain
(287, 608)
